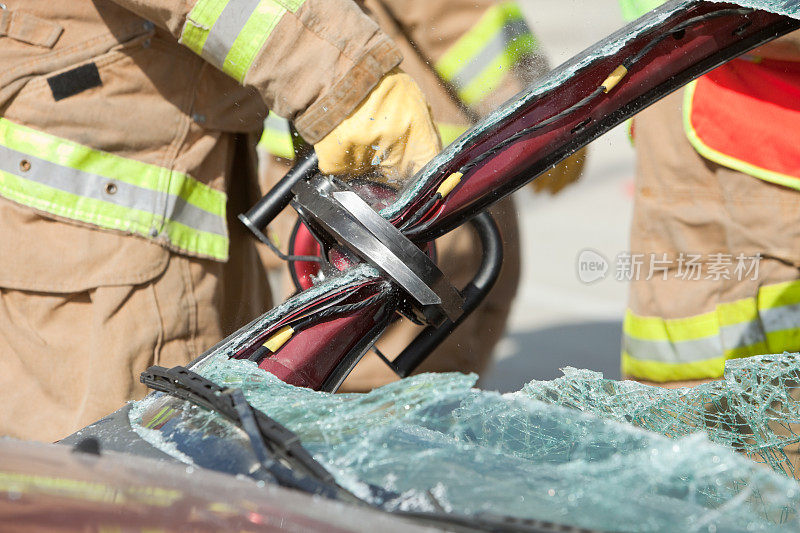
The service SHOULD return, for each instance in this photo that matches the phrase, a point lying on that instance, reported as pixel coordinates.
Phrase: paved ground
(557, 320)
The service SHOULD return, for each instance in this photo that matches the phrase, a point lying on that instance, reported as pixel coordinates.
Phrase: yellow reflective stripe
(692, 347)
(479, 60)
(724, 159)
(199, 22)
(195, 241)
(707, 324)
(73, 206)
(744, 310)
(277, 143)
(779, 294)
(472, 42)
(116, 168)
(110, 216)
(633, 9)
(230, 33)
(450, 132)
(674, 329)
(277, 137)
(757, 348)
(783, 341)
(252, 38)
(661, 372)
(492, 76)
(292, 5)
(67, 179)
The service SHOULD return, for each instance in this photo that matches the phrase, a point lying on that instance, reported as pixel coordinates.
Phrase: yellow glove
(391, 131)
(564, 173)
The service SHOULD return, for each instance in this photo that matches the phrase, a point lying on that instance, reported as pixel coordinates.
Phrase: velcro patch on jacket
(74, 81)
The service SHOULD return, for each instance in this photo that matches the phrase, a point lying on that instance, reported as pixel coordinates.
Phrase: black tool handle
(474, 293)
(261, 214)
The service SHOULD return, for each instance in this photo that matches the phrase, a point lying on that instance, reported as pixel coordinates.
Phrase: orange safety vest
(745, 115)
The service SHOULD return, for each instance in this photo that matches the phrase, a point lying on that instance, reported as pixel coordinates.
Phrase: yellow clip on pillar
(614, 78)
(449, 184)
(280, 338)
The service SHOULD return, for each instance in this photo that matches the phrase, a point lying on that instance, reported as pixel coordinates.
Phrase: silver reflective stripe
(784, 318)
(190, 215)
(226, 29)
(673, 352)
(781, 318)
(687, 351)
(277, 123)
(497, 46)
(93, 186)
(741, 335)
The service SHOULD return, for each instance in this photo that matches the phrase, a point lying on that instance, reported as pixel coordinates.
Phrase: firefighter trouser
(741, 295)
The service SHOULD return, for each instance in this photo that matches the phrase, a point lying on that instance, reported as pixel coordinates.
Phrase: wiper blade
(489, 523)
(275, 447)
(278, 450)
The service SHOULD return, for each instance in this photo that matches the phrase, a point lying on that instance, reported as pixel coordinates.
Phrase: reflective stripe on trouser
(230, 33)
(277, 137)
(79, 183)
(696, 347)
(477, 63)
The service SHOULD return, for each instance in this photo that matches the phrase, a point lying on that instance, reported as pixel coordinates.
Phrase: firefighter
(469, 57)
(716, 199)
(122, 124)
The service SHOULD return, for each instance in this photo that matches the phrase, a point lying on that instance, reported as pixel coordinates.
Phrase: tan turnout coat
(84, 310)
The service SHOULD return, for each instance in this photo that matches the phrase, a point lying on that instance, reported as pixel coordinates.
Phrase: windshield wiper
(280, 453)
(278, 450)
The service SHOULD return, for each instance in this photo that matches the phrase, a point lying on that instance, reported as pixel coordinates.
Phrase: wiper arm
(277, 449)
(281, 454)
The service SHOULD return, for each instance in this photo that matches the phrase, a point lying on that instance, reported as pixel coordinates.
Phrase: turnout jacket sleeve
(312, 61)
(483, 49)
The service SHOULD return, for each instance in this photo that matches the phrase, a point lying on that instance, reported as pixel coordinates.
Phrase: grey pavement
(557, 320)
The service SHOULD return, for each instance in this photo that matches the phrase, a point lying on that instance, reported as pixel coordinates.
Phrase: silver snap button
(111, 188)
(24, 165)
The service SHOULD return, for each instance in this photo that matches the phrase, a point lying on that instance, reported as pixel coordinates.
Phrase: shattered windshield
(578, 450)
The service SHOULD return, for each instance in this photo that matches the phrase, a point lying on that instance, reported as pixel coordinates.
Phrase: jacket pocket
(29, 29)
(42, 253)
